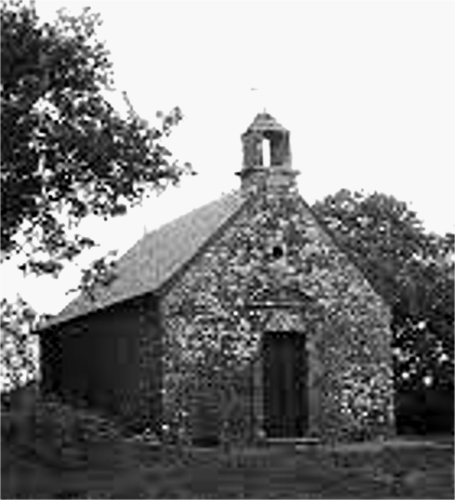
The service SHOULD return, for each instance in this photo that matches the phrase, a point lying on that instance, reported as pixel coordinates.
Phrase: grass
(53, 451)
(418, 471)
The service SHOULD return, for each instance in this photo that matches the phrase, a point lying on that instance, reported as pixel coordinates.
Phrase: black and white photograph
(227, 248)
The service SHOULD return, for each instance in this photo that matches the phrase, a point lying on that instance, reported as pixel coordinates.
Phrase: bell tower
(266, 156)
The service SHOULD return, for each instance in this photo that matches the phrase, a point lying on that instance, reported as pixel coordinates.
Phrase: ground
(398, 469)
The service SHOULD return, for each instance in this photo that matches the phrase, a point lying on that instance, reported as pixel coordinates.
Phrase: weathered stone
(346, 323)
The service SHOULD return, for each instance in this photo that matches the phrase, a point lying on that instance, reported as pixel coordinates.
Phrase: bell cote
(266, 156)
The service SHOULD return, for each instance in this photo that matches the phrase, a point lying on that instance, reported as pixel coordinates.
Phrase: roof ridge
(222, 197)
(178, 219)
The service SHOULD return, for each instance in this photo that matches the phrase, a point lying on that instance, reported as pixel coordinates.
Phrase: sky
(366, 89)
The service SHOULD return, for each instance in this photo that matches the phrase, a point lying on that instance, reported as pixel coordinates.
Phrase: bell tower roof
(265, 122)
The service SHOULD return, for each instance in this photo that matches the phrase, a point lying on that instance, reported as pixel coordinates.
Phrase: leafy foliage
(18, 348)
(98, 274)
(51, 450)
(414, 272)
(66, 152)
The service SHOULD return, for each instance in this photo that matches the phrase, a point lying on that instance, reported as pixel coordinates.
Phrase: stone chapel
(241, 321)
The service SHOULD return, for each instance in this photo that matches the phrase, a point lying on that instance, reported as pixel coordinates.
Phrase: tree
(413, 270)
(66, 152)
(18, 347)
(100, 273)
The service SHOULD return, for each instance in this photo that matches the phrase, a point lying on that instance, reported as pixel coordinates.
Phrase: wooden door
(285, 384)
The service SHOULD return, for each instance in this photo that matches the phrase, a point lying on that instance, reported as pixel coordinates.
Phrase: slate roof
(157, 256)
(264, 121)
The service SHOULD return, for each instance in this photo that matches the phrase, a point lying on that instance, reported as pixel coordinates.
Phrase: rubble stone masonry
(274, 268)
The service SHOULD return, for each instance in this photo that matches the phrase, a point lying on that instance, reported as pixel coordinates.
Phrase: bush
(425, 412)
(64, 437)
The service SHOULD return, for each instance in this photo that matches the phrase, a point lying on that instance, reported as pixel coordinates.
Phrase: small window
(277, 252)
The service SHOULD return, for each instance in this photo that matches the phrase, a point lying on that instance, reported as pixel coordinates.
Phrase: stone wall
(275, 268)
